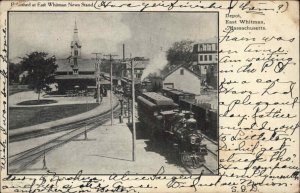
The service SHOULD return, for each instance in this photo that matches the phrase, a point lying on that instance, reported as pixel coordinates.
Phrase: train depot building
(77, 73)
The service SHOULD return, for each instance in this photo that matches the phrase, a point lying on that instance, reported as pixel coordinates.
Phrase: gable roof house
(183, 78)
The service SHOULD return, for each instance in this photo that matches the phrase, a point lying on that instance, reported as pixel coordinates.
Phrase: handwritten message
(227, 7)
(3, 96)
(259, 104)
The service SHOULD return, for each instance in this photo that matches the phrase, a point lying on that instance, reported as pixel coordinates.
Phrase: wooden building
(184, 79)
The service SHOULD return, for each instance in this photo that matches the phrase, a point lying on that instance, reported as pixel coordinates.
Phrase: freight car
(171, 128)
(206, 116)
(178, 95)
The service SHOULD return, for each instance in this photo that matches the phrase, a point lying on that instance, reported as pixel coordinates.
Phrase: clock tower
(75, 49)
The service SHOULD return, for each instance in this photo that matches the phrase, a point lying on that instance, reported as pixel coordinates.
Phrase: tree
(180, 53)
(14, 71)
(154, 88)
(40, 70)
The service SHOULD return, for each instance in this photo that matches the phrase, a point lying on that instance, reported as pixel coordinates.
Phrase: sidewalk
(102, 108)
(107, 150)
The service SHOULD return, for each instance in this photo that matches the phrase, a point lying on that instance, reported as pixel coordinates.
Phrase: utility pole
(133, 111)
(111, 87)
(86, 100)
(98, 77)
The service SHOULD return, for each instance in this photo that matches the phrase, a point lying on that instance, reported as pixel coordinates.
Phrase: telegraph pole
(111, 87)
(133, 111)
(98, 77)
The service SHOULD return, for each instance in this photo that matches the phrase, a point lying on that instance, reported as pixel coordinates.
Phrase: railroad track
(196, 171)
(69, 126)
(21, 161)
(214, 143)
(216, 155)
(203, 168)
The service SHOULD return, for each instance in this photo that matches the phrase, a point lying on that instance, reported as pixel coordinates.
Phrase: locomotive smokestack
(123, 52)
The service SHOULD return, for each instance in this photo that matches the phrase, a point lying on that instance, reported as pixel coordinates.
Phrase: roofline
(183, 66)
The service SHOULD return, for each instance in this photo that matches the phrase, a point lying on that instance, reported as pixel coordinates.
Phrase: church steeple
(75, 50)
(75, 44)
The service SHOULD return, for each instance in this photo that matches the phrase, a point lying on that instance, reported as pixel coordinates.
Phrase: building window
(76, 52)
(210, 57)
(75, 61)
(205, 58)
(204, 47)
(208, 47)
(200, 47)
(168, 85)
(214, 47)
(182, 72)
(201, 58)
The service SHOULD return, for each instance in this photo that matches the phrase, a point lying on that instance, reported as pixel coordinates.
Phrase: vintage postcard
(149, 96)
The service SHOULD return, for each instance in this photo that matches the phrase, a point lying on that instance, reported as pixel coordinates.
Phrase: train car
(172, 128)
(178, 95)
(206, 117)
(150, 105)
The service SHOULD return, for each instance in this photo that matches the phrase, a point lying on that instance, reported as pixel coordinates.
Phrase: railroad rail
(22, 160)
(198, 170)
(69, 126)
(202, 167)
(214, 143)
(216, 155)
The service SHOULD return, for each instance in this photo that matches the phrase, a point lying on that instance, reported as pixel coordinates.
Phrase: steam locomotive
(173, 128)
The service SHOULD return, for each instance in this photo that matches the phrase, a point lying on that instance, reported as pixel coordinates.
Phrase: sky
(145, 34)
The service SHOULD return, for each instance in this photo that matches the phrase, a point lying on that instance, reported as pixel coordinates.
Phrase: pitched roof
(84, 65)
(157, 98)
(209, 40)
(75, 76)
(181, 66)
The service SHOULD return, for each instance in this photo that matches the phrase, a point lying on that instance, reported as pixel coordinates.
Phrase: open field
(27, 116)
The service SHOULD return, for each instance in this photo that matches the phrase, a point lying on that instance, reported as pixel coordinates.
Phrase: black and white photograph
(113, 92)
